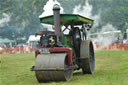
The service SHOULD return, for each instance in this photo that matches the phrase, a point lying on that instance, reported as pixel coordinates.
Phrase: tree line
(24, 15)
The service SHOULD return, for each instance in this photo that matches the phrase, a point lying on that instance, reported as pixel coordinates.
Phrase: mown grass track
(111, 69)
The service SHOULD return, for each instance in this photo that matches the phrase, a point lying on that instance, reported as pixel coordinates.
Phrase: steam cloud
(48, 8)
(86, 11)
(106, 36)
(103, 40)
(4, 20)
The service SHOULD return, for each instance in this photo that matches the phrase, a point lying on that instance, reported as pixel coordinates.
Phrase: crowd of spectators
(20, 48)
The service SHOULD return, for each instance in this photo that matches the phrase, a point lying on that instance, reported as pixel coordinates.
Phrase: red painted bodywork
(60, 49)
(36, 53)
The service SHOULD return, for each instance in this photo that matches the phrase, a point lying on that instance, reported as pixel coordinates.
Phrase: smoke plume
(48, 8)
(4, 20)
(105, 37)
(86, 11)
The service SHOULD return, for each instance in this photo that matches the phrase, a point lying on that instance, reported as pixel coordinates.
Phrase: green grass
(111, 69)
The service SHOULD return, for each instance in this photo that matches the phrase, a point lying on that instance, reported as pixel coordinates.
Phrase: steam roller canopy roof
(67, 19)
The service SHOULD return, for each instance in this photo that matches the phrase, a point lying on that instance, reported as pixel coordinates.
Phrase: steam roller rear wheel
(87, 57)
(50, 61)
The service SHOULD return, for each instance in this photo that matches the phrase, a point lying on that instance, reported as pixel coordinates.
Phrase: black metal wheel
(87, 57)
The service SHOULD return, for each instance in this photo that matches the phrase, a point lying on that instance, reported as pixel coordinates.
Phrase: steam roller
(65, 49)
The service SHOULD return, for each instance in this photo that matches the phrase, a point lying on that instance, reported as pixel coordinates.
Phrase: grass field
(111, 69)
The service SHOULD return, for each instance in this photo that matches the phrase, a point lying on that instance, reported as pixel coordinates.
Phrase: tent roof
(33, 38)
(6, 41)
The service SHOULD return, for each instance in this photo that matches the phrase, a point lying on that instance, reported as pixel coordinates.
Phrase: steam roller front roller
(52, 67)
(87, 57)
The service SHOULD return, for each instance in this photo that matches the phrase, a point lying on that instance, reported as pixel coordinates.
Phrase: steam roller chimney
(56, 12)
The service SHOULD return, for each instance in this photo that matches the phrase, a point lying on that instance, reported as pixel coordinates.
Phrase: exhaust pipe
(56, 12)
